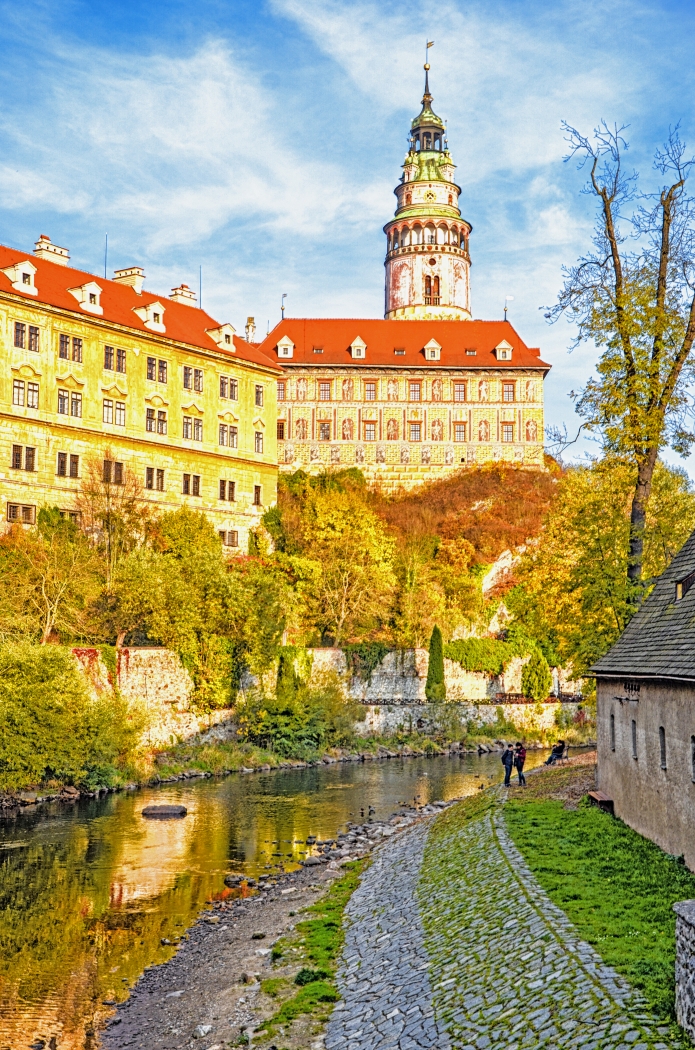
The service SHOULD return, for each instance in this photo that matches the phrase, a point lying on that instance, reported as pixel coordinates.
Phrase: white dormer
(285, 347)
(433, 350)
(88, 296)
(22, 277)
(152, 316)
(503, 351)
(223, 336)
(358, 348)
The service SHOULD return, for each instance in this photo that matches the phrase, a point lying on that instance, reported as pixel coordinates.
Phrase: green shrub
(363, 658)
(536, 679)
(435, 687)
(49, 726)
(487, 655)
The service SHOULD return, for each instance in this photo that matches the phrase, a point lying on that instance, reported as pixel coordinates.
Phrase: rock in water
(164, 812)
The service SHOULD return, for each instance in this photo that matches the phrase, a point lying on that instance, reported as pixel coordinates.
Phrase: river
(87, 892)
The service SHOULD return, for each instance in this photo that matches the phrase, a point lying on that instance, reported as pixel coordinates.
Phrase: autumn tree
(633, 296)
(49, 578)
(112, 510)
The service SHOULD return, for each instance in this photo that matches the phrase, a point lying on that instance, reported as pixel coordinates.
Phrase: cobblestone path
(387, 998)
(453, 945)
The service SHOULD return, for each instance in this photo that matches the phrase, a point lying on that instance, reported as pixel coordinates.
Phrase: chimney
(133, 276)
(183, 294)
(250, 330)
(44, 249)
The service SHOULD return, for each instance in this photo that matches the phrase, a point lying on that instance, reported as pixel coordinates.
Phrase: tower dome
(427, 261)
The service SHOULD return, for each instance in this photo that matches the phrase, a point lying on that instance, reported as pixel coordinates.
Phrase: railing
(432, 300)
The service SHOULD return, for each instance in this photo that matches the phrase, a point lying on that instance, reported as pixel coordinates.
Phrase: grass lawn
(617, 887)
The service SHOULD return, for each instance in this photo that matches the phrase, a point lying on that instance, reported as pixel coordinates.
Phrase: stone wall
(649, 775)
(402, 675)
(391, 718)
(685, 965)
(155, 680)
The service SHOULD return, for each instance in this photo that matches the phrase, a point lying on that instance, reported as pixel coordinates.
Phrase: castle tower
(427, 261)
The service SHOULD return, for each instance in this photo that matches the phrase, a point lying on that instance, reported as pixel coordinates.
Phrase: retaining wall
(391, 718)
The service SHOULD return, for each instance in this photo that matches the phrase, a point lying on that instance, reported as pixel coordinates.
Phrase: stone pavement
(453, 945)
(387, 998)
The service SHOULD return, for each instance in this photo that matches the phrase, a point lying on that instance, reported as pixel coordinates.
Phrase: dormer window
(684, 585)
(223, 336)
(503, 351)
(21, 276)
(152, 316)
(285, 347)
(433, 350)
(358, 348)
(88, 296)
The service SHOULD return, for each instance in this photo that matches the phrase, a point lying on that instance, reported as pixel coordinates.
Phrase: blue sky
(262, 141)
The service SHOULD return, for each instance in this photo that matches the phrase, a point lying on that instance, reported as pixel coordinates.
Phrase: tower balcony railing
(454, 248)
(432, 300)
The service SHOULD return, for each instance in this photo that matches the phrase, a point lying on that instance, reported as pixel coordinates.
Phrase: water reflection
(87, 893)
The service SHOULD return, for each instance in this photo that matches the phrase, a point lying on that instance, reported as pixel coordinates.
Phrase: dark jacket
(507, 758)
(519, 758)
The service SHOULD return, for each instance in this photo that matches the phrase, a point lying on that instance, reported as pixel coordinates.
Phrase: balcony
(432, 300)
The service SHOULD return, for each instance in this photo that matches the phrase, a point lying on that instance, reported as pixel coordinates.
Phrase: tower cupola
(427, 261)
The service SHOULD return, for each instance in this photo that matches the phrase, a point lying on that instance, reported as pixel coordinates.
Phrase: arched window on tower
(427, 140)
(408, 199)
(428, 290)
(430, 235)
(395, 239)
(435, 291)
(451, 198)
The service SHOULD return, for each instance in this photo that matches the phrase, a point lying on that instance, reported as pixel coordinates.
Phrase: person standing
(519, 760)
(508, 763)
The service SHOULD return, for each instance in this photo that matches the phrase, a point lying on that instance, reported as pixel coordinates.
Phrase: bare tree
(112, 510)
(633, 295)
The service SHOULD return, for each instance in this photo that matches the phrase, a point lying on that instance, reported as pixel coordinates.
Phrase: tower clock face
(430, 196)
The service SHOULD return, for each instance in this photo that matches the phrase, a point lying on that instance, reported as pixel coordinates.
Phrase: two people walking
(514, 758)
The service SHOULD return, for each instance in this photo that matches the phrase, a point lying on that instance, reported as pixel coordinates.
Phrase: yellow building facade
(104, 372)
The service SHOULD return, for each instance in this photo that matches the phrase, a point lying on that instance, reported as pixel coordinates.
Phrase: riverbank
(507, 919)
(201, 758)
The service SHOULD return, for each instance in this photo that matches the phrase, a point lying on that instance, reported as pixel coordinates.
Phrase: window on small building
(281, 390)
(120, 413)
(187, 428)
(633, 730)
(76, 405)
(198, 380)
(259, 396)
(324, 431)
(63, 403)
(120, 361)
(186, 489)
(76, 349)
(227, 490)
(152, 368)
(159, 480)
(187, 378)
(112, 472)
(612, 732)
(29, 458)
(414, 391)
(257, 495)
(399, 351)
(281, 430)
(229, 539)
(507, 391)
(662, 747)
(459, 391)
(20, 335)
(162, 371)
(32, 395)
(459, 431)
(684, 585)
(18, 392)
(64, 347)
(33, 338)
(195, 485)
(222, 434)
(324, 391)
(507, 432)
(415, 431)
(161, 422)
(370, 391)
(233, 390)
(62, 465)
(107, 410)
(17, 457)
(74, 466)
(233, 437)
(370, 431)
(149, 477)
(224, 387)
(150, 421)
(258, 441)
(197, 430)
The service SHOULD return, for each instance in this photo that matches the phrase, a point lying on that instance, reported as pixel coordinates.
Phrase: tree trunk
(638, 517)
(120, 638)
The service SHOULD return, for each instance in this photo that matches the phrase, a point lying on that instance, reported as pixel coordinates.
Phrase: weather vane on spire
(429, 44)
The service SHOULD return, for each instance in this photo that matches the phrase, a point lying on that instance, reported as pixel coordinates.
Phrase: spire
(427, 98)
(427, 117)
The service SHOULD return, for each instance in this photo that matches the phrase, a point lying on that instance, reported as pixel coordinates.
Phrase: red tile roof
(183, 323)
(335, 336)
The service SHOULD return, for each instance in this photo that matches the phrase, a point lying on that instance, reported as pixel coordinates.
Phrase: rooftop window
(684, 585)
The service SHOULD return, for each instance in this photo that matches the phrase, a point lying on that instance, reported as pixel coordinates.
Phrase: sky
(261, 141)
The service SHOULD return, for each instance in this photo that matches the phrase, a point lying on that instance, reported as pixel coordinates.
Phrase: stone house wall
(650, 775)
